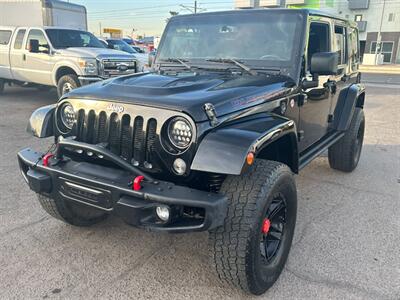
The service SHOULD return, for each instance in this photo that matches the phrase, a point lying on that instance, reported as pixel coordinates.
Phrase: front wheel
(251, 248)
(67, 83)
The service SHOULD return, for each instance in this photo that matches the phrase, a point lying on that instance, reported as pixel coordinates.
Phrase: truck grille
(113, 67)
(131, 137)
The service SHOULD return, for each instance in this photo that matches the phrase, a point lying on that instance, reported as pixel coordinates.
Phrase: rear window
(5, 37)
(19, 39)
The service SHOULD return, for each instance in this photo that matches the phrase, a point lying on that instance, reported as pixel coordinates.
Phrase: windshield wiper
(235, 62)
(181, 61)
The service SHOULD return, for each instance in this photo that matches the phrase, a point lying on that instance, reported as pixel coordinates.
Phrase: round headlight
(180, 133)
(67, 115)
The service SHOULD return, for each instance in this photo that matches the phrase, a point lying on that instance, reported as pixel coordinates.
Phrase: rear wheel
(251, 248)
(345, 154)
(70, 212)
(67, 83)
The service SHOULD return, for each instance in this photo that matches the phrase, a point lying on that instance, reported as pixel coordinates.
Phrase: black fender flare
(224, 150)
(346, 104)
(41, 122)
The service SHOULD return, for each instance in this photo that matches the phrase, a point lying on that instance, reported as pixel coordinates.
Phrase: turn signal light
(250, 158)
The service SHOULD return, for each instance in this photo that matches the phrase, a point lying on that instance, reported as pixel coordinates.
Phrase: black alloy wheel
(273, 228)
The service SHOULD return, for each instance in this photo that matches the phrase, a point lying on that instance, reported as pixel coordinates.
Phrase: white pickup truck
(62, 57)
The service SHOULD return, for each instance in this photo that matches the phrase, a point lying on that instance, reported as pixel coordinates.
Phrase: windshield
(66, 38)
(120, 45)
(261, 37)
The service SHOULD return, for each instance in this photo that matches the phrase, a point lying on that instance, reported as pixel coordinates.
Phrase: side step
(316, 149)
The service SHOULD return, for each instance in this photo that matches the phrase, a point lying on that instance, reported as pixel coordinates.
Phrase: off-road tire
(70, 212)
(345, 154)
(2, 84)
(235, 246)
(70, 79)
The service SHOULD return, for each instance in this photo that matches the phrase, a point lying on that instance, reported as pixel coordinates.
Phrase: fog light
(163, 213)
(179, 166)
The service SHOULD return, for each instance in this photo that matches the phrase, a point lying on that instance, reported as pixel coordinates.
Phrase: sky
(147, 17)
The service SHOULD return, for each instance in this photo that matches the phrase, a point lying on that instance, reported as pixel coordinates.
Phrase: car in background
(59, 57)
(121, 45)
(138, 49)
(152, 57)
(129, 41)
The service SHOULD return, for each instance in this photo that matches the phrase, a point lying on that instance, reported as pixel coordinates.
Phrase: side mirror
(34, 46)
(324, 63)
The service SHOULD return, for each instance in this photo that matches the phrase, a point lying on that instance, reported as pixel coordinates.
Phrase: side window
(341, 46)
(318, 40)
(354, 53)
(5, 37)
(36, 34)
(19, 39)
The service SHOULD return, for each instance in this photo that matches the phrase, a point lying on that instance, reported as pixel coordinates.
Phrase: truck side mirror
(324, 63)
(34, 46)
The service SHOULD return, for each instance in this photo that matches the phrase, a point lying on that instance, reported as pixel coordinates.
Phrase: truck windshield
(260, 38)
(67, 38)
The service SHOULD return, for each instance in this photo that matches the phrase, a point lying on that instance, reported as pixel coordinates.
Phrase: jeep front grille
(131, 137)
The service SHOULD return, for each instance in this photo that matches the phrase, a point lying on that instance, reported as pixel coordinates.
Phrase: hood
(188, 94)
(93, 52)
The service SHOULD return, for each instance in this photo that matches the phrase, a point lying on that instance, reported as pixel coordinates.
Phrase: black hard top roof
(304, 11)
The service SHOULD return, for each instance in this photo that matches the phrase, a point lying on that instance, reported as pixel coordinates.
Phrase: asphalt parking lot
(346, 243)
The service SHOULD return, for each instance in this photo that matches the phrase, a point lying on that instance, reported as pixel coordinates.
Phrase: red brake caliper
(265, 226)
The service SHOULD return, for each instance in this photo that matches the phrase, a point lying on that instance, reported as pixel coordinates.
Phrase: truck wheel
(345, 154)
(251, 248)
(71, 212)
(2, 83)
(67, 83)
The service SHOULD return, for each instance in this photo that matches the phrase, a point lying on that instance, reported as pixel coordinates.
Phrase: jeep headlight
(67, 115)
(180, 132)
(88, 65)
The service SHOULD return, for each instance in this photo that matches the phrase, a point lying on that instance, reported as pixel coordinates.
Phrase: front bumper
(110, 190)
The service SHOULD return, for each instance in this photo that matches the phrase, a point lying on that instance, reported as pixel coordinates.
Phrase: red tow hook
(137, 183)
(46, 159)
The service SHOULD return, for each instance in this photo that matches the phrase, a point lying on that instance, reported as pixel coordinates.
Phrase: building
(373, 17)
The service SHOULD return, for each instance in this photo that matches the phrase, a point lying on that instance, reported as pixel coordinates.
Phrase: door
(38, 66)
(17, 55)
(316, 103)
(345, 43)
(5, 41)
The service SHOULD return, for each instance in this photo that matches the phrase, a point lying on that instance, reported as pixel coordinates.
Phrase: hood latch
(211, 114)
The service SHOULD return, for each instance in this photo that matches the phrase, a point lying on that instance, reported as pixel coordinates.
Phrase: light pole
(379, 36)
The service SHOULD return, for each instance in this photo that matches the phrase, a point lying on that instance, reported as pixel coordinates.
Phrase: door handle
(24, 57)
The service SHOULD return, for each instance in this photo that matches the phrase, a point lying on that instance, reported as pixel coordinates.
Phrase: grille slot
(131, 137)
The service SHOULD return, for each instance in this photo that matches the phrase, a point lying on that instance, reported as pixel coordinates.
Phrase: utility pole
(193, 9)
(379, 36)
(100, 34)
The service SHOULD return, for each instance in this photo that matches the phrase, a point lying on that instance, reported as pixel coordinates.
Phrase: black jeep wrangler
(238, 102)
